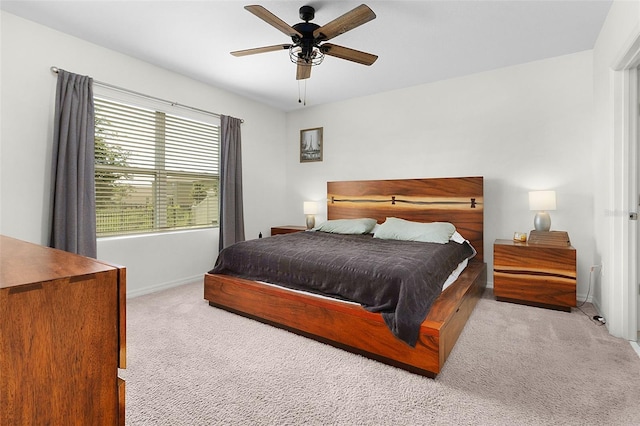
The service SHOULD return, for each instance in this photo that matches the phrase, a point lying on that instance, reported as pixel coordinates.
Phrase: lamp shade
(542, 200)
(310, 207)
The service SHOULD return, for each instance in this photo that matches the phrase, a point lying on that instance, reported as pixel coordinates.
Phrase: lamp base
(542, 221)
(311, 221)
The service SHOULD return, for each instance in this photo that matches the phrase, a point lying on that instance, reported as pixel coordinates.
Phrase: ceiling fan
(308, 47)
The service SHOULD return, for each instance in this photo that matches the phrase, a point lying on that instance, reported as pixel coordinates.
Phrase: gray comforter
(399, 279)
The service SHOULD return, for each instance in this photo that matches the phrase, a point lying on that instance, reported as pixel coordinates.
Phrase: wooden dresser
(62, 337)
(535, 274)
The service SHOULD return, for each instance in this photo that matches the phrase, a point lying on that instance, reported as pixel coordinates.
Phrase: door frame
(625, 150)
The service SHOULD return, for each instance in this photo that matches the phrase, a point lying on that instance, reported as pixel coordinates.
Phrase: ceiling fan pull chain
(302, 100)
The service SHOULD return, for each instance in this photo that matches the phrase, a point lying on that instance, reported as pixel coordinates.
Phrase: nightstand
(287, 229)
(535, 274)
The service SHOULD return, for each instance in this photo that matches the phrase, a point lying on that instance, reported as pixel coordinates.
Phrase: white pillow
(457, 238)
(347, 226)
(400, 229)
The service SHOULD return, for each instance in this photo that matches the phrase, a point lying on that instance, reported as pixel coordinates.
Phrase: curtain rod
(55, 69)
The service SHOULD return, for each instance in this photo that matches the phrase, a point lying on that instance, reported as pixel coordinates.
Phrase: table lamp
(310, 209)
(541, 202)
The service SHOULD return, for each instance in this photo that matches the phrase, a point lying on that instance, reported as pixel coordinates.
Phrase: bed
(350, 326)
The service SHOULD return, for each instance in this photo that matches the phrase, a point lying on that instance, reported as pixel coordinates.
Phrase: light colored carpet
(192, 364)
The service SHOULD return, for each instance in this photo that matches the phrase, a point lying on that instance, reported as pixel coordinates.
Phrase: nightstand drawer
(537, 289)
(535, 259)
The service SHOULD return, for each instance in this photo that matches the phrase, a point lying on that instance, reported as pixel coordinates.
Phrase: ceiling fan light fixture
(314, 57)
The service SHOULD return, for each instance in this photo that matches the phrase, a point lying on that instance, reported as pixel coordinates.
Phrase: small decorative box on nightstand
(535, 274)
(287, 229)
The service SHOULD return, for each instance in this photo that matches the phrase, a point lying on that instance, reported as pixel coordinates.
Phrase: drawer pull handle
(23, 288)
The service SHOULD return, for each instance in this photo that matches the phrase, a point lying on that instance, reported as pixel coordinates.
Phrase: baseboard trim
(164, 286)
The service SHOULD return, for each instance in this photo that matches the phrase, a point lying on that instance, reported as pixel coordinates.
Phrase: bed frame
(349, 326)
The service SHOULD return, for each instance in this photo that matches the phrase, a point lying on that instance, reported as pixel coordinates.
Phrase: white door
(637, 209)
(626, 147)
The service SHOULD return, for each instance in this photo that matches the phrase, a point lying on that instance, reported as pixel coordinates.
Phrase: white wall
(609, 160)
(526, 127)
(27, 107)
(523, 127)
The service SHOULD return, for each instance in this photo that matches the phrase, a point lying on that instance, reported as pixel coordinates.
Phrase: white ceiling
(417, 41)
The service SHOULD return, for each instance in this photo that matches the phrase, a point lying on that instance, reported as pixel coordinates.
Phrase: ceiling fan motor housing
(307, 42)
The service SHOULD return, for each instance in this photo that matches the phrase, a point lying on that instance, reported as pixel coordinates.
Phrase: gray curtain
(231, 212)
(73, 226)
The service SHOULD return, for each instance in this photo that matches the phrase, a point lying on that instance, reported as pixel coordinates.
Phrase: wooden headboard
(456, 200)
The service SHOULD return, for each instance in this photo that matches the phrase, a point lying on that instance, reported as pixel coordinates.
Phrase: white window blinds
(155, 171)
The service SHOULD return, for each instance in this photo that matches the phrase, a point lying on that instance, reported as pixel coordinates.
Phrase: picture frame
(311, 145)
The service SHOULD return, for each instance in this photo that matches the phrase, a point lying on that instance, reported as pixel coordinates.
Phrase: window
(154, 171)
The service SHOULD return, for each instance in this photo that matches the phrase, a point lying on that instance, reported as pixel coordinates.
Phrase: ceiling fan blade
(304, 70)
(264, 49)
(353, 55)
(350, 20)
(273, 20)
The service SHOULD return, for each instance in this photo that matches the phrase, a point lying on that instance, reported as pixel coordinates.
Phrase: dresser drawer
(121, 395)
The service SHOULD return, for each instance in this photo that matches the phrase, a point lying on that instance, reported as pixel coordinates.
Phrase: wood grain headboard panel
(456, 200)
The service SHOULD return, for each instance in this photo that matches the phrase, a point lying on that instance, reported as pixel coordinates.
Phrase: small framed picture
(311, 145)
